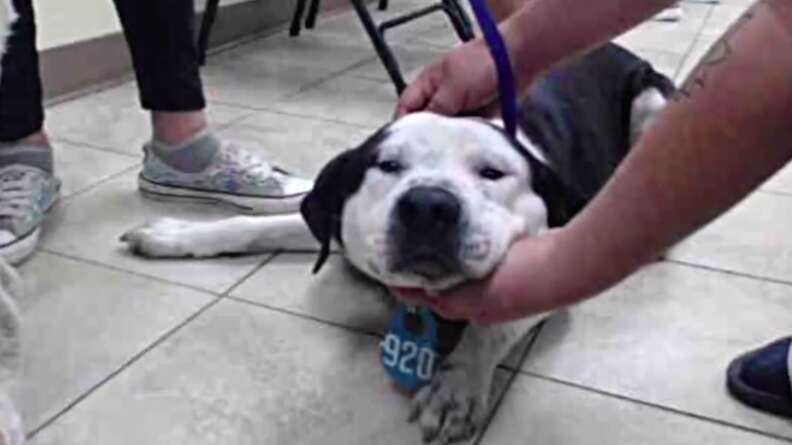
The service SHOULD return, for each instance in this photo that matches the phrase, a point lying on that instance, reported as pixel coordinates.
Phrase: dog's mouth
(426, 264)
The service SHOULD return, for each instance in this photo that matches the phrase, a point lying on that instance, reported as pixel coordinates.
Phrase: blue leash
(411, 348)
(497, 47)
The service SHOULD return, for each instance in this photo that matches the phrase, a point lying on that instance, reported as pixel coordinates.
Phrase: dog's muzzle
(426, 232)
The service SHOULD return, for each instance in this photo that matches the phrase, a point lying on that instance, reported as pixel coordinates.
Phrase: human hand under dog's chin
(527, 282)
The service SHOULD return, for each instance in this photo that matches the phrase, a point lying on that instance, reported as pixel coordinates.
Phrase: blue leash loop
(497, 47)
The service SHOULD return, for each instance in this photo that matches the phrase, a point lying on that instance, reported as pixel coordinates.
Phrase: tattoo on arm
(717, 54)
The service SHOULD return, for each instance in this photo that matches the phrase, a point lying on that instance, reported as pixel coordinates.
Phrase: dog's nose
(429, 210)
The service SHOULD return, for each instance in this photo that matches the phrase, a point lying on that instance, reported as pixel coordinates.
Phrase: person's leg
(21, 110)
(184, 159)
(763, 378)
(27, 186)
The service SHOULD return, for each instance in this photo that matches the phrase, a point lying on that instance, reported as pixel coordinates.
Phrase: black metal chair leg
(313, 11)
(296, 22)
(383, 5)
(384, 53)
(210, 14)
(459, 19)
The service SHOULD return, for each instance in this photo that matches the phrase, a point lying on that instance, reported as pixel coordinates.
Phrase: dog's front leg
(174, 238)
(455, 405)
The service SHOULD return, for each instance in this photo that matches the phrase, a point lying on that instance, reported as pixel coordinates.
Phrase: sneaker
(26, 194)
(235, 177)
(762, 378)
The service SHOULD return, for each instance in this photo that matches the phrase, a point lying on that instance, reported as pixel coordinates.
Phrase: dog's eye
(390, 166)
(491, 173)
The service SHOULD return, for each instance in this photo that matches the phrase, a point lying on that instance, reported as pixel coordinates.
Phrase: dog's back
(582, 115)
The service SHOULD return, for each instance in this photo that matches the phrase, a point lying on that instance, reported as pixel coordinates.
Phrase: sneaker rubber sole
(17, 252)
(246, 204)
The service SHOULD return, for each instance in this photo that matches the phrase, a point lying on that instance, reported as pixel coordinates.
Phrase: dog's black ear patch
(339, 179)
(561, 201)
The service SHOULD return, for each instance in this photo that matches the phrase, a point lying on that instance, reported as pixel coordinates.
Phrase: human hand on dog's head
(463, 81)
(529, 281)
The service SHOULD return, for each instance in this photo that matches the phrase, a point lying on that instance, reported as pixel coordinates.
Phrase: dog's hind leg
(645, 107)
(173, 238)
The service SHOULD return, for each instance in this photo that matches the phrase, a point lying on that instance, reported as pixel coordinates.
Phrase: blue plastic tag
(410, 348)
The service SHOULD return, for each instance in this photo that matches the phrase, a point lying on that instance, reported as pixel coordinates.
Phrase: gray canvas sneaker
(234, 177)
(26, 194)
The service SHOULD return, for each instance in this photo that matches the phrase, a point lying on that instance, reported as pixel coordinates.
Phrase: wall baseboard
(82, 66)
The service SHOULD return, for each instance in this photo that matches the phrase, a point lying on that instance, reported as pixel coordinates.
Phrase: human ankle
(192, 156)
(37, 138)
(34, 150)
(176, 129)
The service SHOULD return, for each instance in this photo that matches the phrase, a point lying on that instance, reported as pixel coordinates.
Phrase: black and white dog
(431, 201)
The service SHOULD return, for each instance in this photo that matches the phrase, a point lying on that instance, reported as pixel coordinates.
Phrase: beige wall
(62, 22)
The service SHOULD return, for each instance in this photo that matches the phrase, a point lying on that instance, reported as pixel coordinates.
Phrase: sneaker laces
(250, 166)
(16, 193)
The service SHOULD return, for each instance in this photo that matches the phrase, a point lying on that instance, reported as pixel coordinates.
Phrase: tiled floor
(254, 350)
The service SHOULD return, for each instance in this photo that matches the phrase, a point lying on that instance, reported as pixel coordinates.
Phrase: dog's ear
(322, 208)
(561, 200)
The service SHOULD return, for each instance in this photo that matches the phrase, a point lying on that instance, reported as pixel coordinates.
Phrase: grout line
(657, 406)
(268, 259)
(728, 272)
(330, 76)
(71, 405)
(244, 110)
(219, 128)
(67, 200)
(91, 146)
(156, 343)
(129, 272)
(693, 45)
(255, 110)
(101, 181)
(512, 378)
(104, 148)
(775, 192)
(305, 316)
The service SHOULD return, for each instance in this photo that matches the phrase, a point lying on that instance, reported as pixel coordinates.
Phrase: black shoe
(761, 378)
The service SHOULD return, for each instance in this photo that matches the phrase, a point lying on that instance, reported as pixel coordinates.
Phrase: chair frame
(376, 32)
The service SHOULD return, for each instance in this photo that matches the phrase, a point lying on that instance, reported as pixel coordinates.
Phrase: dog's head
(429, 201)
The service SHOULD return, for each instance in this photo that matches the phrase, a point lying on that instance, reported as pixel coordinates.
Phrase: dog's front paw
(453, 407)
(165, 238)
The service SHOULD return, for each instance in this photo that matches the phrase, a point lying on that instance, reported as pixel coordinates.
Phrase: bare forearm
(728, 131)
(544, 32)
